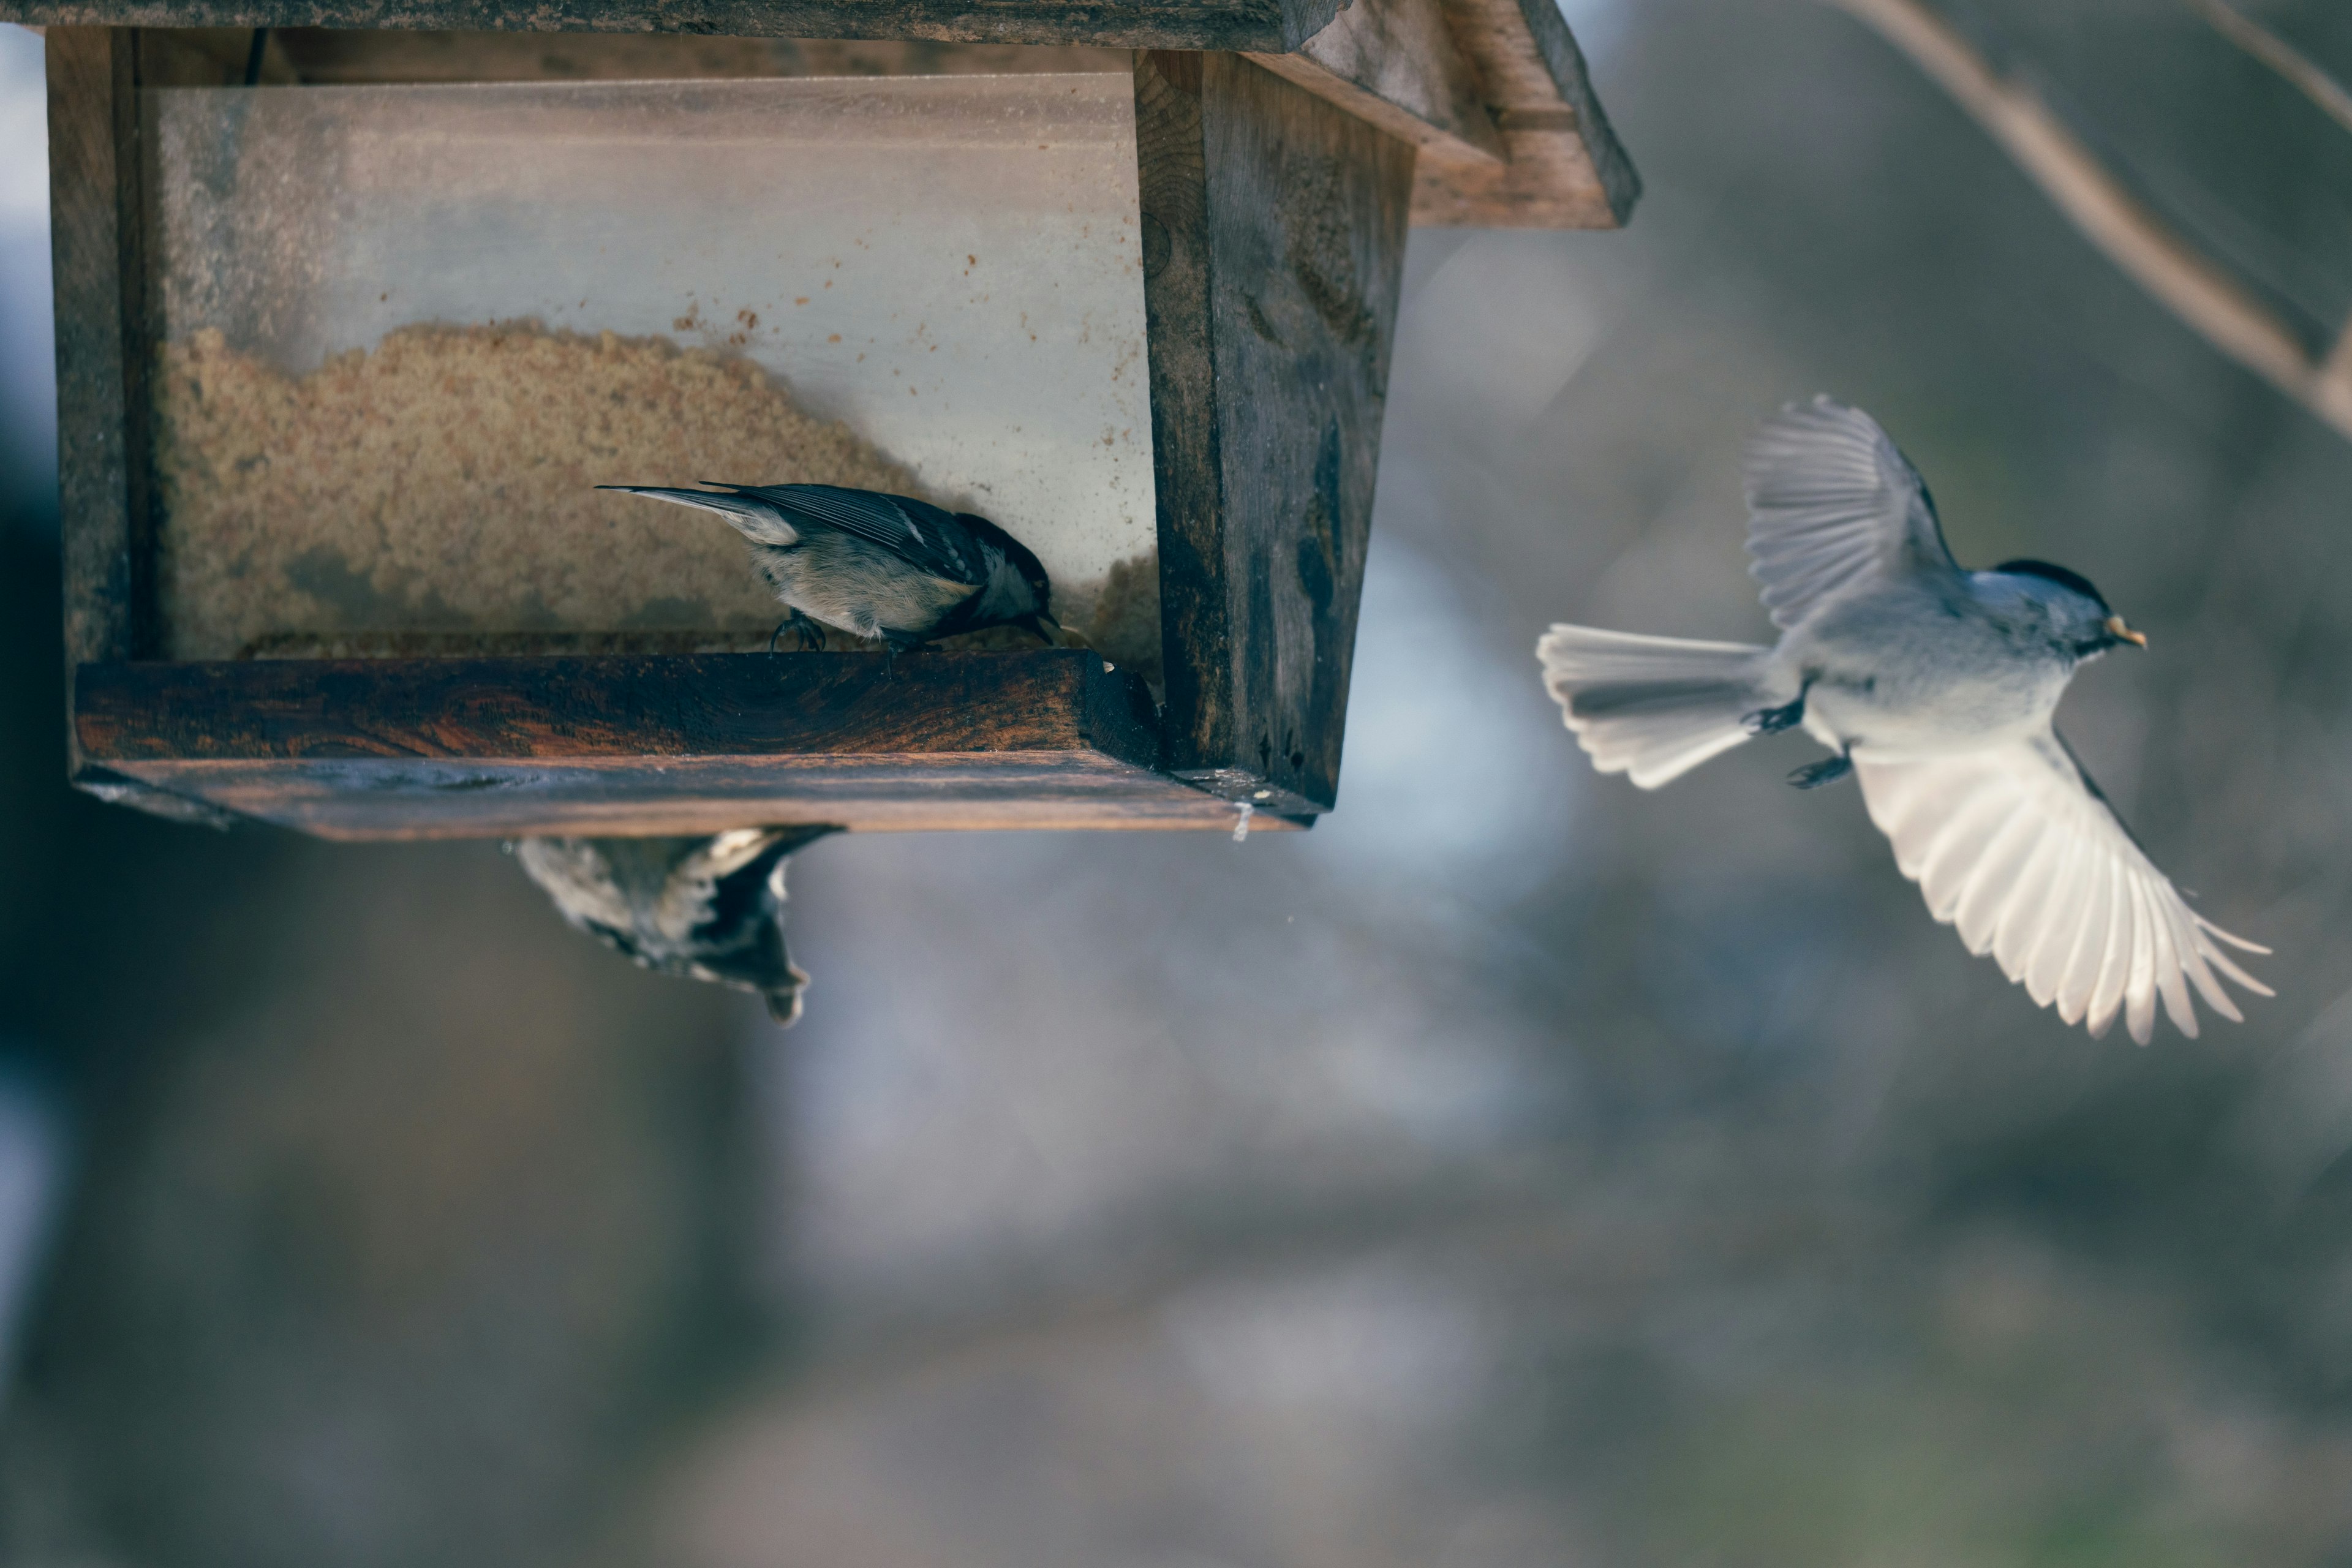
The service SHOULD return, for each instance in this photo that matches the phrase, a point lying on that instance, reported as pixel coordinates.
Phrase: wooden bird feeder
(357, 300)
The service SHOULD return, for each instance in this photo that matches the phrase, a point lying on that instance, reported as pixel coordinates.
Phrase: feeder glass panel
(401, 331)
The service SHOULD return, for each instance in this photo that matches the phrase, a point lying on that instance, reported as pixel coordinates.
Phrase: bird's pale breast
(1904, 672)
(843, 581)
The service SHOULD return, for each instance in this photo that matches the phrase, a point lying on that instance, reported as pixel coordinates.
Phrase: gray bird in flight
(1935, 687)
(892, 568)
(701, 909)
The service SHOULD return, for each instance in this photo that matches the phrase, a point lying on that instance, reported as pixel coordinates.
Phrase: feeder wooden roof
(1494, 92)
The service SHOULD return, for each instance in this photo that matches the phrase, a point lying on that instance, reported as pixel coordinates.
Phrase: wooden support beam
(99, 277)
(99, 269)
(1276, 24)
(1272, 247)
(1395, 63)
(644, 744)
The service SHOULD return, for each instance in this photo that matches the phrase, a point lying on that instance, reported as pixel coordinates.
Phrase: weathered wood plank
(1278, 25)
(445, 747)
(1395, 63)
(101, 402)
(615, 708)
(1274, 236)
(325, 55)
(1399, 64)
(384, 799)
(1564, 167)
(98, 282)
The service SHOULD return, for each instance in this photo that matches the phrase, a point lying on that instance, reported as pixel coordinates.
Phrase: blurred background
(1517, 1170)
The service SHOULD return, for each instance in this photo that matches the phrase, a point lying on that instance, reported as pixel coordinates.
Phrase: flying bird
(1935, 687)
(891, 568)
(701, 909)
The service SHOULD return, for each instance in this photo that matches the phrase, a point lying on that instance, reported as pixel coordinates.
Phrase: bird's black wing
(916, 531)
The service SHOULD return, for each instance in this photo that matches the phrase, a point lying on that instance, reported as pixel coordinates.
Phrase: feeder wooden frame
(1273, 209)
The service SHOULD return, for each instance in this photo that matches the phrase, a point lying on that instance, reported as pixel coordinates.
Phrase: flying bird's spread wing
(1832, 504)
(916, 531)
(2015, 847)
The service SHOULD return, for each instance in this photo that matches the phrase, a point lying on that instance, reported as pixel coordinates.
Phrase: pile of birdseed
(436, 496)
(443, 484)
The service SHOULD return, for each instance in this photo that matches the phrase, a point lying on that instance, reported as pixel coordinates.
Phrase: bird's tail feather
(1652, 708)
(754, 519)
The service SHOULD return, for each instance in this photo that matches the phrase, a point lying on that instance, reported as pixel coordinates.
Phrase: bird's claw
(1829, 770)
(806, 632)
(1772, 721)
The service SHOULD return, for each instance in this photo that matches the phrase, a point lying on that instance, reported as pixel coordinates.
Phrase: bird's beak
(2122, 633)
(1037, 625)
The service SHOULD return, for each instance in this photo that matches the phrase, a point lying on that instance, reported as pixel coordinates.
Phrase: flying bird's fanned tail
(1650, 707)
(2013, 846)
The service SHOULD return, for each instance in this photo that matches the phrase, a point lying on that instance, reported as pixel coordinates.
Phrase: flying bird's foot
(1829, 770)
(1772, 721)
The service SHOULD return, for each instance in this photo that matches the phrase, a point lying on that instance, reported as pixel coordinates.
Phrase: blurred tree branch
(2282, 57)
(2186, 282)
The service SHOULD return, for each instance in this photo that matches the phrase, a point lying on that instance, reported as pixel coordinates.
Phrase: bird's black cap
(2058, 574)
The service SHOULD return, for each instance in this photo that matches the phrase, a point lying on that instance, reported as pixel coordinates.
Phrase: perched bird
(1935, 687)
(702, 909)
(888, 567)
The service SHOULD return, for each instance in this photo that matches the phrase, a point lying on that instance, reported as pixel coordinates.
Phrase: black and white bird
(702, 909)
(1935, 687)
(891, 568)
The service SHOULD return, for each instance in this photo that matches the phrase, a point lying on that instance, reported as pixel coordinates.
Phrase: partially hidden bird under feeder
(709, 908)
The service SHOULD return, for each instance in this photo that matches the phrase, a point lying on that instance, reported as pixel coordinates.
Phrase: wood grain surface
(1274, 234)
(101, 392)
(1395, 63)
(459, 747)
(1563, 166)
(1497, 88)
(1122, 24)
(613, 708)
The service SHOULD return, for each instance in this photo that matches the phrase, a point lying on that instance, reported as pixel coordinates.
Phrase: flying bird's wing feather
(1832, 504)
(2015, 847)
(915, 531)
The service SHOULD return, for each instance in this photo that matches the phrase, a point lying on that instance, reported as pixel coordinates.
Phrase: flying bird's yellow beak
(2115, 628)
